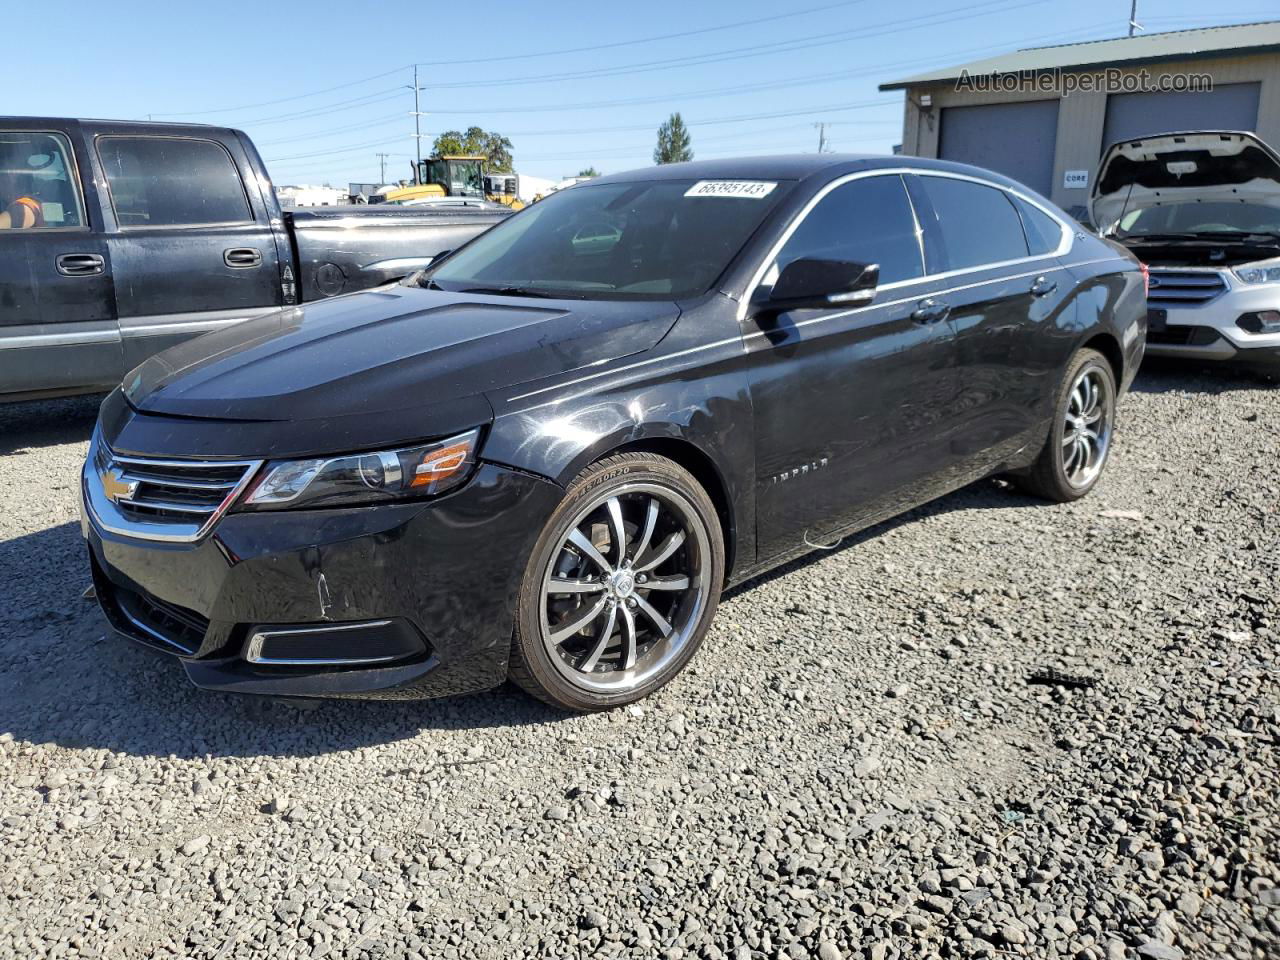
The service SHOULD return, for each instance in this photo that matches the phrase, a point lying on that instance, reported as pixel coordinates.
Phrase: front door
(849, 404)
(191, 235)
(57, 316)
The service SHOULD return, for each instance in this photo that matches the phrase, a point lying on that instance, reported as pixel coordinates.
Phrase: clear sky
(323, 87)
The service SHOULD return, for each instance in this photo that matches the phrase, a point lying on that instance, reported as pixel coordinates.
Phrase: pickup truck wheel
(621, 587)
(1079, 440)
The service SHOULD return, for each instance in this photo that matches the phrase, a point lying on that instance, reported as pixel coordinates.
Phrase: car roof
(801, 166)
(157, 125)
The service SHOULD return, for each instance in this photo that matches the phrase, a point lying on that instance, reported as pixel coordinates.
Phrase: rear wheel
(621, 587)
(1080, 438)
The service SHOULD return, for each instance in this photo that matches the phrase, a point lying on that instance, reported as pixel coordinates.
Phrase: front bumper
(1210, 331)
(415, 599)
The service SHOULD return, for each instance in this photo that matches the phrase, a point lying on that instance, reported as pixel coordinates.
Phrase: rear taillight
(1146, 279)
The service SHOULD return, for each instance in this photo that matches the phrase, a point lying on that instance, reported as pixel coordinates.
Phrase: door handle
(930, 310)
(80, 264)
(241, 257)
(1043, 286)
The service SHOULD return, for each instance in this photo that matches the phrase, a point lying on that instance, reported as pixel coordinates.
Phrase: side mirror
(822, 284)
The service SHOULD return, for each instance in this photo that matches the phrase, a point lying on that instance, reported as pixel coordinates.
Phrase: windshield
(1213, 218)
(638, 240)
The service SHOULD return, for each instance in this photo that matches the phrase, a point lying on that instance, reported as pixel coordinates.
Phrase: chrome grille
(1184, 287)
(153, 499)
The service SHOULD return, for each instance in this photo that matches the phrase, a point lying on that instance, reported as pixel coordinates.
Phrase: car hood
(1183, 168)
(394, 348)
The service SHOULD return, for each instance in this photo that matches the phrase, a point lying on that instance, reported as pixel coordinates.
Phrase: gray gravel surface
(854, 766)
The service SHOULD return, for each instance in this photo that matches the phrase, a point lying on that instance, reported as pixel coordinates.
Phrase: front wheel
(621, 587)
(1080, 438)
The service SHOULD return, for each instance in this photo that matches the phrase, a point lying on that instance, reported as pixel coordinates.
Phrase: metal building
(1044, 115)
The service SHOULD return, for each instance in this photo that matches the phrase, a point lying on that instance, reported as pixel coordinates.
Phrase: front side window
(977, 224)
(653, 239)
(868, 221)
(38, 188)
(169, 182)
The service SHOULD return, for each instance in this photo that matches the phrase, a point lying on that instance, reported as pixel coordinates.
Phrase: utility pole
(1133, 17)
(382, 158)
(417, 125)
(822, 137)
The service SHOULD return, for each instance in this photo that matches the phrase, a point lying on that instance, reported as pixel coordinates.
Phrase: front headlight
(376, 477)
(1267, 271)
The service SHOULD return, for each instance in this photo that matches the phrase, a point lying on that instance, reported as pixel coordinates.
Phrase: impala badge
(115, 487)
(800, 471)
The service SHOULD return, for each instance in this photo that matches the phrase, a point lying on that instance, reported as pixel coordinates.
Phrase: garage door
(1232, 106)
(1016, 139)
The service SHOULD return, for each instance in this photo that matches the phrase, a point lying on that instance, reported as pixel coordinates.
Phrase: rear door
(191, 240)
(57, 316)
(1004, 288)
(849, 403)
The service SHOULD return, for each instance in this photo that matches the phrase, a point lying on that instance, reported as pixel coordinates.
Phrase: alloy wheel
(1086, 435)
(626, 587)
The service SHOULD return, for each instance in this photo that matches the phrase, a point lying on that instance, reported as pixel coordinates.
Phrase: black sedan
(545, 456)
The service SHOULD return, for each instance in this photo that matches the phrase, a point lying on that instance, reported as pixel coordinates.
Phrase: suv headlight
(1266, 271)
(384, 475)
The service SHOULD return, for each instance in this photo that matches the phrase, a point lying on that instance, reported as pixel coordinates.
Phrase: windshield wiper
(1215, 235)
(428, 284)
(509, 292)
(1243, 236)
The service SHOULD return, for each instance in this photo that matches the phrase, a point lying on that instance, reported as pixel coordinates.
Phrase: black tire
(558, 681)
(1048, 476)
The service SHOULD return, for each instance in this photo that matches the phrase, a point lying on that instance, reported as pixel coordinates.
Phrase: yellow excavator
(458, 176)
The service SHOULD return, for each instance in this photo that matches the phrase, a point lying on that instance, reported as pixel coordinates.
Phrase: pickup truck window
(38, 188)
(172, 181)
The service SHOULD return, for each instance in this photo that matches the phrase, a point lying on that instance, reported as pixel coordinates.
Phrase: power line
(522, 56)
(821, 77)
(739, 53)
(827, 108)
(825, 38)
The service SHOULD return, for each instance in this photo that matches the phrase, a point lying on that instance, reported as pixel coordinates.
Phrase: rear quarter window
(170, 181)
(1044, 234)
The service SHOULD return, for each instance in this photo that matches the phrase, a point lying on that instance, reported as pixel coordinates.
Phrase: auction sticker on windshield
(749, 189)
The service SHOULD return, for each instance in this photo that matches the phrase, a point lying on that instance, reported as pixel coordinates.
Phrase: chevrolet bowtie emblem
(116, 487)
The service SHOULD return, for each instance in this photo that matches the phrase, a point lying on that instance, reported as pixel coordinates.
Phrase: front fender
(704, 422)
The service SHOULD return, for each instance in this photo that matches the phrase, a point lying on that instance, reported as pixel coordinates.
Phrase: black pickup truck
(118, 239)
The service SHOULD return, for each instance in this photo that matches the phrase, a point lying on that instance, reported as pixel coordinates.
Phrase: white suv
(1202, 211)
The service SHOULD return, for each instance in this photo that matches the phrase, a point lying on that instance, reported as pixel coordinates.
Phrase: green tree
(494, 147)
(673, 142)
(589, 172)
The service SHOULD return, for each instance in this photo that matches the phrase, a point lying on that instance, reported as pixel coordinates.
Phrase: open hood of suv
(1174, 168)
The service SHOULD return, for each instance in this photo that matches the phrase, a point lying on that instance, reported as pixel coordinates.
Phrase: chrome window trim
(253, 648)
(1064, 244)
(104, 513)
(822, 318)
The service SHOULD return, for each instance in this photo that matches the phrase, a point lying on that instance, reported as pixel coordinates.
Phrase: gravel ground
(855, 765)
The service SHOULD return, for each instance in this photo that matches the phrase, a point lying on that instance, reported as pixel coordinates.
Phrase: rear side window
(168, 182)
(1044, 233)
(977, 224)
(868, 220)
(38, 188)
